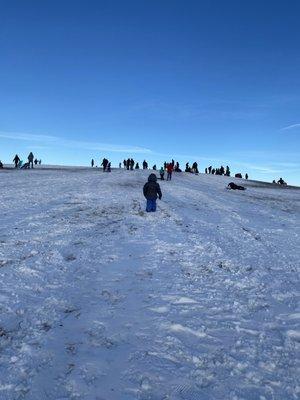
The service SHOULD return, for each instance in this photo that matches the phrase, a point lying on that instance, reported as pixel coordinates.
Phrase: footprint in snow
(3, 263)
(70, 257)
(71, 348)
(3, 333)
(186, 392)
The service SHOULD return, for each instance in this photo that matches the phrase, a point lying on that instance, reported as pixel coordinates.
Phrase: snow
(100, 300)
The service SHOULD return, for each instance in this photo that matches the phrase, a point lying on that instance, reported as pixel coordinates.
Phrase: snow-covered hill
(101, 301)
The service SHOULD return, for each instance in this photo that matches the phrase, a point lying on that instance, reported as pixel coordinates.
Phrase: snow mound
(100, 300)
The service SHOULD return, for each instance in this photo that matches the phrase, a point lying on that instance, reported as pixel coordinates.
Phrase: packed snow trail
(100, 300)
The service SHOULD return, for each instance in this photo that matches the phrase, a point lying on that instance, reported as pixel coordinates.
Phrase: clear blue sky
(212, 81)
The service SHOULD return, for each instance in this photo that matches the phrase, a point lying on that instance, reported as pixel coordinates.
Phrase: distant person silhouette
(177, 169)
(145, 164)
(16, 160)
(195, 168)
(131, 164)
(104, 164)
(30, 159)
(281, 182)
(162, 173)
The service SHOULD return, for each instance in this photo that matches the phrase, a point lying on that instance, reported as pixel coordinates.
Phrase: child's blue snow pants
(151, 205)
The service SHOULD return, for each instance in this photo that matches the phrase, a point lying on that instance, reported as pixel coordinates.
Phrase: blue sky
(212, 81)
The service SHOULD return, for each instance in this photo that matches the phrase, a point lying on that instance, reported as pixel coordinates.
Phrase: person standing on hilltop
(104, 164)
(169, 171)
(131, 164)
(195, 167)
(92, 163)
(162, 173)
(30, 159)
(151, 190)
(16, 160)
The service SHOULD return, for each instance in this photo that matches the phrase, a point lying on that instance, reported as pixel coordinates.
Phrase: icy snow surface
(101, 301)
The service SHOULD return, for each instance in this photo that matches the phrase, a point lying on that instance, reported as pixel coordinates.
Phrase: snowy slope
(101, 301)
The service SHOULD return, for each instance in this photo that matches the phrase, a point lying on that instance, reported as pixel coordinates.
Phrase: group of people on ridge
(218, 171)
(169, 167)
(152, 189)
(29, 164)
(130, 164)
(19, 163)
(193, 169)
